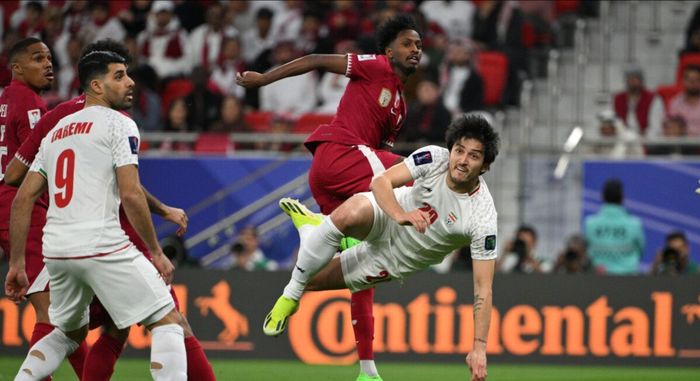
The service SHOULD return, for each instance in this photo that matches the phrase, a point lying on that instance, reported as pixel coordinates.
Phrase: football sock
(45, 356)
(361, 304)
(198, 367)
(99, 363)
(77, 359)
(168, 358)
(40, 330)
(367, 367)
(315, 251)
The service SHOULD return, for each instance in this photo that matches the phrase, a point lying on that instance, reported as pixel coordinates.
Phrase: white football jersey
(458, 219)
(78, 157)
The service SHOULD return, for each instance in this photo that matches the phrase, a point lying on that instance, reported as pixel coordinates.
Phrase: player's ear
(96, 86)
(389, 52)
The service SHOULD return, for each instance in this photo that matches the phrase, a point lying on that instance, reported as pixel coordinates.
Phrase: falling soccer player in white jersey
(406, 229)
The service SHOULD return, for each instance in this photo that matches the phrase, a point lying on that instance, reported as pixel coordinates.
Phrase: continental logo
(320, 332)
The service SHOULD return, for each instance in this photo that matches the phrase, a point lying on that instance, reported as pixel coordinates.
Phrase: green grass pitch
(231, 370)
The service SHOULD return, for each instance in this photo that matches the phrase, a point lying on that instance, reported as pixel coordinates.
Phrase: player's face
(119, 87)
(406, 51)
(466, 164)
(35, 66)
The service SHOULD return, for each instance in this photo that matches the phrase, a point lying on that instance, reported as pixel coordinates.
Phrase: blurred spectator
(615, 237)
(315, 37)
(76, 15)
(223, 74)
(176, 121)
(674, 258)
(246, 254)
(673, 127)
(573, 259)
(146, 111)
(258, 39)
(281, 124)
(344, 20)
(9, 39)
(203, 103)
(463, 87)
(135, 17)
(435, 44)
(427, 118)
(163, 44)
(455, 17)
(207, 40)
(687, 103)
(692, 33)
(519, 255)
(68, 82)
(332, 86)
(240, 14)
(637, 107)
(625, 142)
(232, 117)
(190, 13)
(101, 25)
(283, 96)
(286, 25)
(55, 37)
(32, 24)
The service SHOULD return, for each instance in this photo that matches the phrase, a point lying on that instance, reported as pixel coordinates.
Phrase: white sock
(45, 356)
(318, 245)
(367, 367)
(168, 358)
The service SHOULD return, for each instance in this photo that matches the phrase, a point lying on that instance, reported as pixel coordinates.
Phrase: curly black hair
(387, 32)
(108, 45)
(474, 126)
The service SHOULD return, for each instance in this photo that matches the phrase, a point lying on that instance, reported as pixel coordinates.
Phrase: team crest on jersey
(134, 144)
(421, 158)
(384, 97)
(34, 116)
(451, 218)
(490, 242)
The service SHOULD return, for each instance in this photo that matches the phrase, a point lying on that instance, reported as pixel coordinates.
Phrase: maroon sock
(40, 330)
(77, 359)
(198, 367)
(100, 360)
(363, 322)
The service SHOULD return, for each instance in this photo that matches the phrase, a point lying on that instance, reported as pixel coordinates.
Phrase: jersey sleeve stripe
(22, 160)
(43, 173)
(348, 69)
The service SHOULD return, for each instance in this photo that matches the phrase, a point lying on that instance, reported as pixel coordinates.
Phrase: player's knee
(351, 213)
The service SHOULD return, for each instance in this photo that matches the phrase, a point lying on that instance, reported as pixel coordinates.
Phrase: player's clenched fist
(250, 79)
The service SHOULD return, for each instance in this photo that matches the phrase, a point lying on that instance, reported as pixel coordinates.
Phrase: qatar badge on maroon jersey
(384, 97)
(33, 116)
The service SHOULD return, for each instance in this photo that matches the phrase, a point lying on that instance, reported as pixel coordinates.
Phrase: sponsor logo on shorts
(384, 97)
(421, 158)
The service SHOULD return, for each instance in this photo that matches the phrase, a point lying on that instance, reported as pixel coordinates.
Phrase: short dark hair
(474, 126)
(108, 45)
(527, 229)
(676, 234)
(264, 13)
(387, 32)
(95, 64)
(613, 192)
(21, 47)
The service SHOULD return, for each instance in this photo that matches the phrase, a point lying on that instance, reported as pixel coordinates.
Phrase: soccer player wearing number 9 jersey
(89, 162)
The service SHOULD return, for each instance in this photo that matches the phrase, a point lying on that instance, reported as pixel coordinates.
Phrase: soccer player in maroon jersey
(356, 145)
(21, 107)
(104, 353)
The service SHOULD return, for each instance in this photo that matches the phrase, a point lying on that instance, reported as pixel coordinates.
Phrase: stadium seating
(493, 68)
(213, 143)
(307, 123)
(259, 121)
(686, 59)
(667, 92)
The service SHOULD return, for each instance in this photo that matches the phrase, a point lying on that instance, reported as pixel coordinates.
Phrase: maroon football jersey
(372, 109)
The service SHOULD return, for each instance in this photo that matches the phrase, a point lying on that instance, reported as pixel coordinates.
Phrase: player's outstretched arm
(16, 282)
(136, 209)
(335, 63)
(382, 187)
(169, 213)
(15, 172)
(483, 281)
